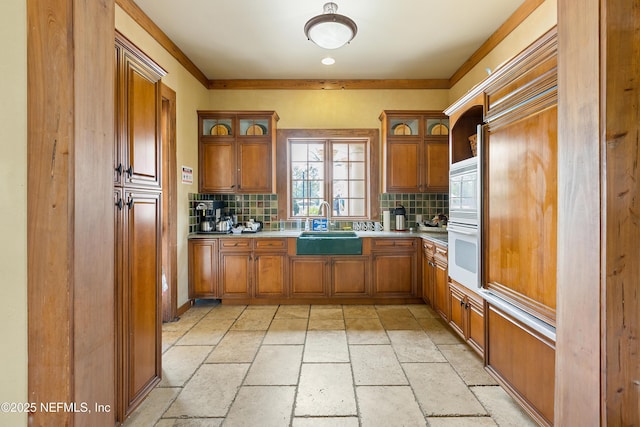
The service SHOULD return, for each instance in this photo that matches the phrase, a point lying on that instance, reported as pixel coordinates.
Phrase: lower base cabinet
(394, 264)
(308, 276)
(203, 268)
(467, 315)
(523, 362)
(246, 269)
(270, 274)
(350, 276)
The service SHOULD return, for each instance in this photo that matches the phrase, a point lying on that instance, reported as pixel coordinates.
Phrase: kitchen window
(326, 165)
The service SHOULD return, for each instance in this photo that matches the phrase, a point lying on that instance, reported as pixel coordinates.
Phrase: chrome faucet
(327, 208)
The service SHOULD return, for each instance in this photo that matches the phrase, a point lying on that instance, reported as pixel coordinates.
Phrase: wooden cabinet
(236, 151)
(350, 276)
(203, 268)
(137, 100)
(235, 265)
(394, 265)
(270, 268)
(416, 151)
(467, 315)
(309, 276)
(138, 309)
(252, 268)
(441, 282)
(138, 238)
(428, 271)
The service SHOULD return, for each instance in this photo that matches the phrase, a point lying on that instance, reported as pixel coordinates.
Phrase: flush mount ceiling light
(328, 61)
(330, 30)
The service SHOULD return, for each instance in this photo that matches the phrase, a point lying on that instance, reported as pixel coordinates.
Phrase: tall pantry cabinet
(138, 226)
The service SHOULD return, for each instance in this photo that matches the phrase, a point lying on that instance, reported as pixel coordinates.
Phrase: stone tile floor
(321, 365)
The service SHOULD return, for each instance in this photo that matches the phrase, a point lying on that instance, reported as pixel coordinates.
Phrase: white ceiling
(262, 39)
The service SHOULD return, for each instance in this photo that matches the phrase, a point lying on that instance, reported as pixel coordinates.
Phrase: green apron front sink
(328, 243)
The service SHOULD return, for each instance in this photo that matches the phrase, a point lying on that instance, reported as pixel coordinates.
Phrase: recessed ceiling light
(328, 61)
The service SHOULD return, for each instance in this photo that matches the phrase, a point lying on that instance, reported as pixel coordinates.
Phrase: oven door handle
(460, 230)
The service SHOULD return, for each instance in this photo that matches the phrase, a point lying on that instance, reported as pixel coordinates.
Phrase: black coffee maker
(209, 214)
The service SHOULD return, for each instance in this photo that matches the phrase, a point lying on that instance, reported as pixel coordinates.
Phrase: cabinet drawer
(270, 244)
(393, 244)
(238, 244)
(428, 247)
(440, 255)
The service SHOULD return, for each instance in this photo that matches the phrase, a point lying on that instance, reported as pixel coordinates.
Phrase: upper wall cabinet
(416, 151)
(137, 115)
(236, 151)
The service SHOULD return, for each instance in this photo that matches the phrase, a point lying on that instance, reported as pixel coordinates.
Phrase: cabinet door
(458, 317)
(441, 292)
(394, 274)
(475, 335)
(140, 314)
(142, 123)
(403, 167)
(235, 274)
(203, 268)
(437, 167)
(350, 276)
(217, 167)
(270, 275)
(308, 276)
(254, 167)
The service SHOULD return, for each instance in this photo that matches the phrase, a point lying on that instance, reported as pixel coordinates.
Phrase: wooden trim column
(597, 370)
(70, 217)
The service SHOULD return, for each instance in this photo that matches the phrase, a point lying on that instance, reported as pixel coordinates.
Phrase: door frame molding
(169, 204)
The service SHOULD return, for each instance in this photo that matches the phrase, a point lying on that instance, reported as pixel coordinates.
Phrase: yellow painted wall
(539, 22)
(191, 96)
(13, 204)
(329, 109)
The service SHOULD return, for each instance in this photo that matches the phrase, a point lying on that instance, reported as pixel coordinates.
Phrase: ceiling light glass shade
(330, 30)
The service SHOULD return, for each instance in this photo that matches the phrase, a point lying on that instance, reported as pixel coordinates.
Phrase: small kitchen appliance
(208, 213)
(401, 218)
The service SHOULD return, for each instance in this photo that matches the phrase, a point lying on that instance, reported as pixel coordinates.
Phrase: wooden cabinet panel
(522, 213)
(235, 274)
(403, 167)
(524, 362)
(458, 317)
(394, 274)
(350, 276)
(143, 126)
(254, 166)
(475, 335)
(308, 276)
(219, 159)
(437, 171)
(441, 291)
(203, 268)
(467, 315)
(139, 314)
(270, 275)
(137, 118)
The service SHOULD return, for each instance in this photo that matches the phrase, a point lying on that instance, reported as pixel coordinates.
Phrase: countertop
(439, 236)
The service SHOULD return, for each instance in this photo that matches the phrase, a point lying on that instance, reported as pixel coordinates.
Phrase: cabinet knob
(119, 203)
(119, 169)
(130, 202)
(129, 171)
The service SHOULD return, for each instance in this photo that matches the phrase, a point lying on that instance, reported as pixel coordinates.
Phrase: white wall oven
(463, 224)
